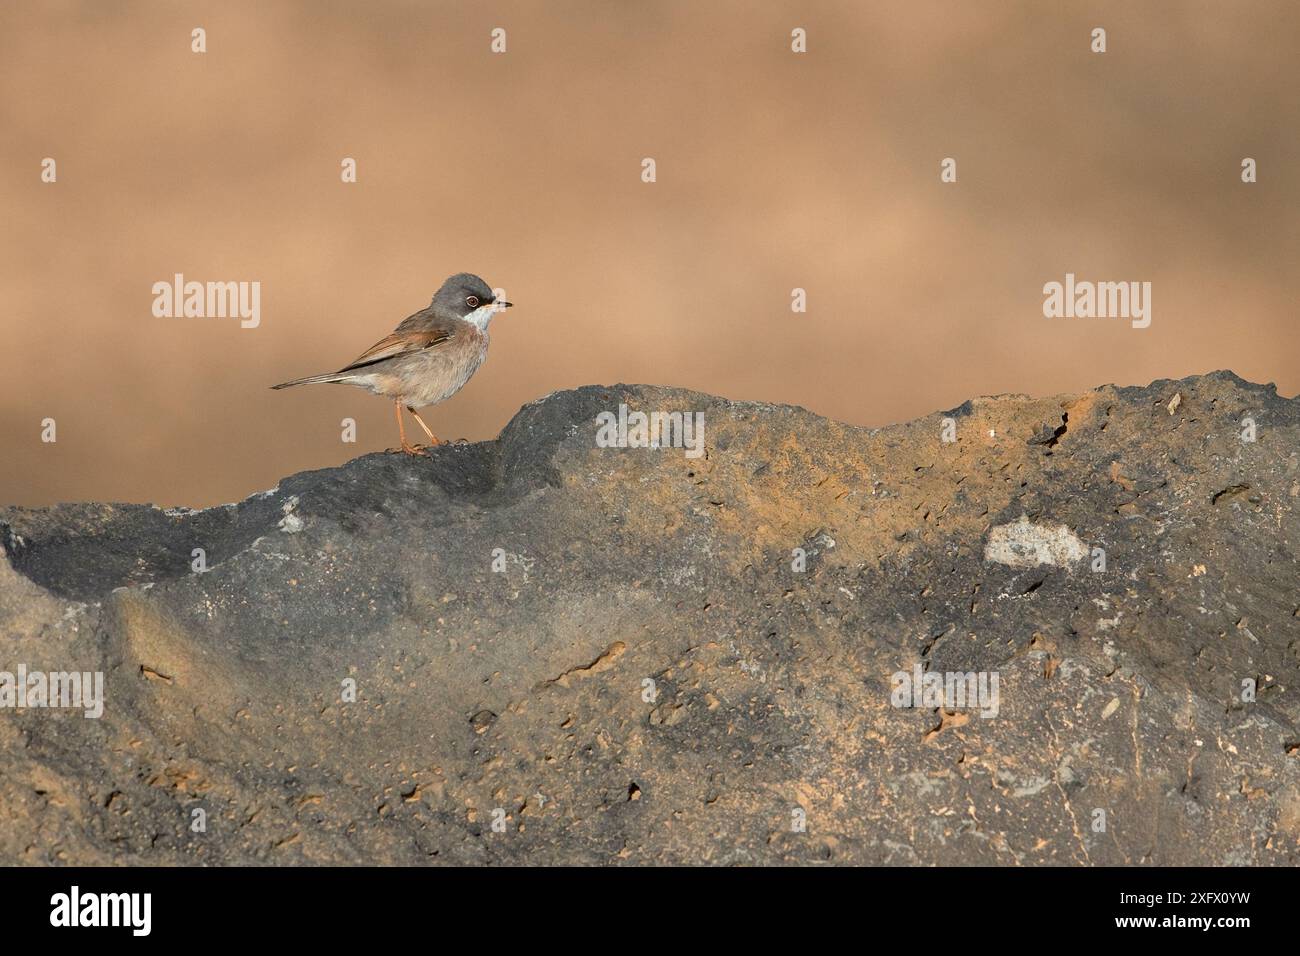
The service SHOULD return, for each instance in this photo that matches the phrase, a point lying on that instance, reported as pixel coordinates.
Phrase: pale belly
(425, 378)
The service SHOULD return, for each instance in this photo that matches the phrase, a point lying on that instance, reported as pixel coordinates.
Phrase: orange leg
(432, 439)
(401, 431)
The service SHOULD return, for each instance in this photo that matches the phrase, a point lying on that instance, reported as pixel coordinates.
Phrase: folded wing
(398, 344)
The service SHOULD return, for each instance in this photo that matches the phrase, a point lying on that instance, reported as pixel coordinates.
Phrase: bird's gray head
(467, 297)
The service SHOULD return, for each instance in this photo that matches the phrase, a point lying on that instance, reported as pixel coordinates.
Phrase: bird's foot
(417, 450)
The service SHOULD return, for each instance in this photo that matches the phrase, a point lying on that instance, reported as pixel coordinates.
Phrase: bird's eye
(472, 302)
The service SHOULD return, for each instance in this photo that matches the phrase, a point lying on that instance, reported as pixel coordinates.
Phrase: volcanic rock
(540, 650)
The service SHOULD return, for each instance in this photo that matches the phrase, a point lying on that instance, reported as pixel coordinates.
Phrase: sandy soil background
(775, 171)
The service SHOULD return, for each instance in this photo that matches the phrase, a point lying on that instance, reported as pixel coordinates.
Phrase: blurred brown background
(775, 170)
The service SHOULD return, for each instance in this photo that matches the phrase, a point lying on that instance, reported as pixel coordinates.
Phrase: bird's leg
(432, 440)
(401, 431)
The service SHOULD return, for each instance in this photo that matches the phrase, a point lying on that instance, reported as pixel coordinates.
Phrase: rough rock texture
(523, 695)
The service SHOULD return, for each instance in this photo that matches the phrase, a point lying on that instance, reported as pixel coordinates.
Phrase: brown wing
(399, 343)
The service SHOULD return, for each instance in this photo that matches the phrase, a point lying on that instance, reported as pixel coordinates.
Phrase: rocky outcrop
(542, 650)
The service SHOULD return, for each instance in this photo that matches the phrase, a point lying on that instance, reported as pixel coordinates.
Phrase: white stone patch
(182, 512)
(525, 564)
(290, 523)
(1023, 544)
(751, 669)
(1031, 787)
(681, 576)
(74, 610)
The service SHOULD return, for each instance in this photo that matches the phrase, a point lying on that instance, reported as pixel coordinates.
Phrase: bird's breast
(439, 373)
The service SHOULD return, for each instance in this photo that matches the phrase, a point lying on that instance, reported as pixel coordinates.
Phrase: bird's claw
(416, 450)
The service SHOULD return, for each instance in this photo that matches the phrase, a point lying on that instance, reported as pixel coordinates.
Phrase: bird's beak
(502, 306)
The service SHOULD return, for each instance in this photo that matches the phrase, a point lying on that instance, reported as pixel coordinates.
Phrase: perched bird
(429, 356)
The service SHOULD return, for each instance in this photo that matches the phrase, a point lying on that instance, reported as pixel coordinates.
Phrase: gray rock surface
(646, 678)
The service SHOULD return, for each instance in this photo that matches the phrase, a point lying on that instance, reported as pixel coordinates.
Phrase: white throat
(481, 317)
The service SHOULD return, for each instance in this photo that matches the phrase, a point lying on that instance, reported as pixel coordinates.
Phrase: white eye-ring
(472, 302)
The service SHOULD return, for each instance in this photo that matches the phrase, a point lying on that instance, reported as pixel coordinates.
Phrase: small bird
(429, 356)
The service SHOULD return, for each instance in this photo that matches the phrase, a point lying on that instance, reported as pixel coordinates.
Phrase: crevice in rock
(1227, 494)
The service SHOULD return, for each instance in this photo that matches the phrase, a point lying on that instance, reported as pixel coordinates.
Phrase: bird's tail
(316, 379)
